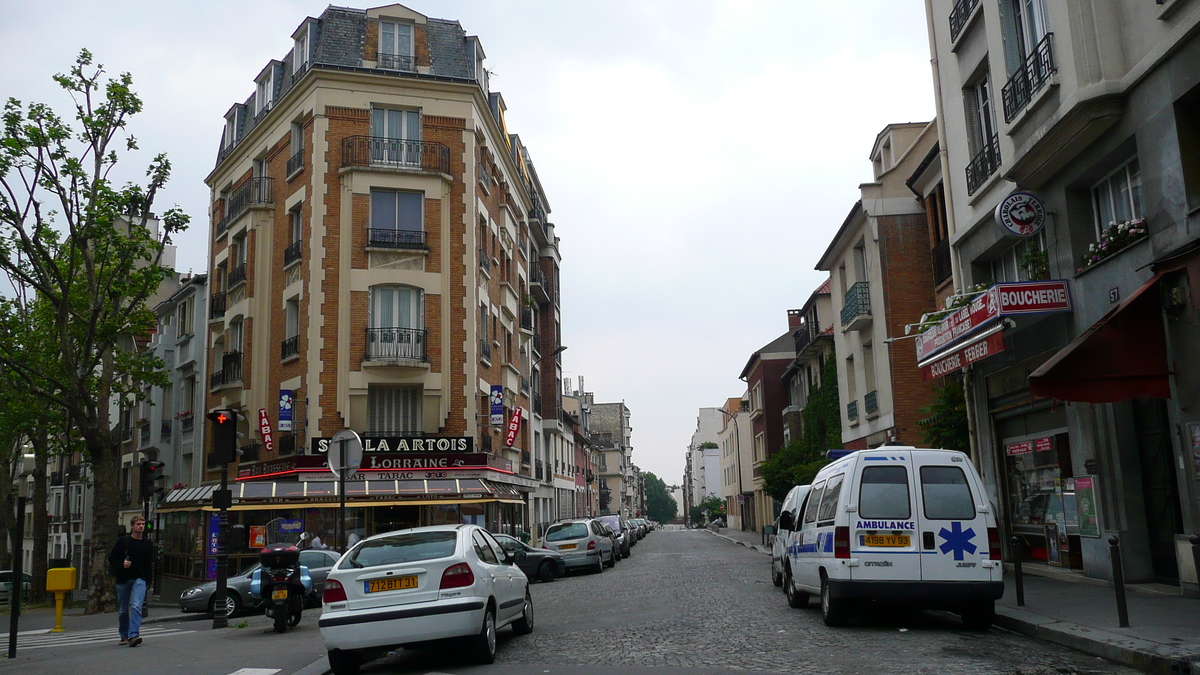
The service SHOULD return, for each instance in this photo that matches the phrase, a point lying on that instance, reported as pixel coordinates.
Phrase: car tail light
(457, 576)
(592, 545)
(333, 592)
(994, 543)
(841, 541)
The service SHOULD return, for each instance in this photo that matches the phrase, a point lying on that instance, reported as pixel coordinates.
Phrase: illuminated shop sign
(1004, 299)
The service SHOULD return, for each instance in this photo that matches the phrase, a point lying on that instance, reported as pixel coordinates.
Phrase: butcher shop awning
(314, 494)
(1122, 356)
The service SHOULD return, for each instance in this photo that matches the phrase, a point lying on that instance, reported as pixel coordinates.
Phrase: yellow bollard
(58, 603)
(60, 580)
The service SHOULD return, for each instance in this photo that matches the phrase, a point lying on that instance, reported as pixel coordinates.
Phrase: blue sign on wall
(286, 403)
(497, 405)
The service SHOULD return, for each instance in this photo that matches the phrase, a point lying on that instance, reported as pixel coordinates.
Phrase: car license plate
(566, 547)
(279, 594)
(886, 540)
(393, 584)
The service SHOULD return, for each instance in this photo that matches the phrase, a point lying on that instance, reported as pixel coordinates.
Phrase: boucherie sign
(1004, 299)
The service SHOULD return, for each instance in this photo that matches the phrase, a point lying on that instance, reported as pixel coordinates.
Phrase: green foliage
(697, 515)
(708, 444)
(714, 505)
(797, 462)
(945, 421)
(660, 505)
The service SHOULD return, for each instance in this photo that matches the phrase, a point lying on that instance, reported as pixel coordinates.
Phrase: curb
(754, 547)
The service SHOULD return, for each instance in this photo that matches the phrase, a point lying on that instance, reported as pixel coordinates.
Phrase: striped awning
(313, 494)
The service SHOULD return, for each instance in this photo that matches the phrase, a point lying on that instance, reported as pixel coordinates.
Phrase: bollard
(1114, 545)
(1018, 576)
(1195, 540)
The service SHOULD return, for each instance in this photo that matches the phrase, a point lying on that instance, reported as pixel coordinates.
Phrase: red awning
(1122, 356)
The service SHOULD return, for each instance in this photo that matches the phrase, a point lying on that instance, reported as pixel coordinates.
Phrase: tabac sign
(1004, 299)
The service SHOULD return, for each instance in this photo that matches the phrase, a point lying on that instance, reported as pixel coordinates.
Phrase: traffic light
(225, 435)
(152, 476)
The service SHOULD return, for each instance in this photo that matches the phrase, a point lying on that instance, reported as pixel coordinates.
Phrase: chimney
(794, 317)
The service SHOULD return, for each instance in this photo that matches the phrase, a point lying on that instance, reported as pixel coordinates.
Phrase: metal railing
(258, 190)
(395, 152)
(985, 163)
(524, 383)
(230, 372)
(289, 347)
(295, 162)
(187, 423)
(216, 305)
(291, 254)
(527, 318)
(959, 15)
(871, 402)
(941, 261)
(852, 410)
(525, 458)
(398, 62)
(537, 213)
(857, 302)
(249, 452)
(390, 238)
(485, 261)
(290, 442)
(237, 275)
(802, 337)
(386, 344)
(1033, 74)
(485, 350)
(539, 471)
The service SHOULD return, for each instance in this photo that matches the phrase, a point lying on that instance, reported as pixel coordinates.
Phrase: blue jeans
(130, 596)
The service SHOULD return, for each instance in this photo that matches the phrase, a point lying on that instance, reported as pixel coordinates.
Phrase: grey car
(237, 595)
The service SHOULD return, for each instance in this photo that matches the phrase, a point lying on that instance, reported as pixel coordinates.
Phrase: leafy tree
(714, 505)
(78, 251)
(945, 421)
(697, 515)
(660, 505)
(821, 430)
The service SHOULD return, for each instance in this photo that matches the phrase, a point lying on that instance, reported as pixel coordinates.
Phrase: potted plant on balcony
(1117, 237)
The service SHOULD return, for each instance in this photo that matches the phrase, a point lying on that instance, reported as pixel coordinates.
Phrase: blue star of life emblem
(957, 540)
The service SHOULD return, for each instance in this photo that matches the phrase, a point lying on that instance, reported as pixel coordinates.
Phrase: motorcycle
(281, 583)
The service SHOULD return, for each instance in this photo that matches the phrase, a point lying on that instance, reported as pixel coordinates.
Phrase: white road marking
(255, 671)
(42, 639)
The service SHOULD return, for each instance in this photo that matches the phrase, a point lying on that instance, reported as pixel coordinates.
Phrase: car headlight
(190, 592)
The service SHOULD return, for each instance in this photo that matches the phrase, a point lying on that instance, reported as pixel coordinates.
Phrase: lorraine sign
(1004, 299)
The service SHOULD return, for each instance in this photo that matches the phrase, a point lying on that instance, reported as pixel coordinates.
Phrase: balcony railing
(144, 435)
(187, 423)
(852, 410)
(258, 190)
(871, 402)
(537, 213)
(392, 238)
(249, 452)
(539, 472)
(802, 337)
(1031, 76)
(856, 306)
(291, 254)
(391, 344)
(398, 62)
(527, 318)
(289, 347)
(290, 443)
(395, 152)
(164, 431)
(485, 261)
(959, 15)
(237, 275)
(295, 162)
(983, 164)
(216, 306)
(485, 350)
(525, 457)
(941, 261)
(230, 372)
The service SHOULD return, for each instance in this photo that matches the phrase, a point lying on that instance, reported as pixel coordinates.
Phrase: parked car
(6, 583)
(583, 543)
(237, 587)
(784, 524)
(621, 527)
(414, 586)
(538, 563)
(642, 529)
(921, 532)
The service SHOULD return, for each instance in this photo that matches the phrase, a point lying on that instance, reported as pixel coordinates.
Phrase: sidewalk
(1081, 613)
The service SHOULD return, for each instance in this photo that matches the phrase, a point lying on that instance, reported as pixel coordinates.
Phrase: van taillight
(841, 541)
(994, 543)
(457, 576)
(592, 545)
(333, 592)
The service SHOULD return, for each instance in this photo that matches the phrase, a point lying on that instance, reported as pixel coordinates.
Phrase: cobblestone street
(689, 600)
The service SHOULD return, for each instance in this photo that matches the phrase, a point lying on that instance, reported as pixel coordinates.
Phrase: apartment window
(300, 51)
(396, 218)
(756, 397)
(760, 450)
(395, 307)
(292, 317)
(394, 410)
(1028, 26)
(236, 333)
(1019, 262)
(1118, 198)
(230, 128)
(982, 119)
(396, 46)
(265, 94)
(184, 316)
(295, 225)
(239, 251)
(396, 136)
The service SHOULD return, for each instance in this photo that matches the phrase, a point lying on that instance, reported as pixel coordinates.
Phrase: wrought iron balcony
(230, 372)
(802, 337)
(259, 190)
(985, 163)
(871, 402)
(368, 151)
(398, 62)
(187, 423)
(1030, 77)
(539, 471)
(525, 458)
(527, 318)
(216, 306)
(237, 275)
(394, 344)
(485, 261)
(524, 383)
(290, 442)
(485, 350)
(486, 442)
(291, 254)
(852, 410)
(537, 213)
(295, 162)
(856, 307)
(290, 347)
(391, 238)
(941, 261)
(249, 452)
(959, 15)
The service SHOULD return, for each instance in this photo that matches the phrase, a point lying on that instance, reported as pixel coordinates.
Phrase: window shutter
(971, 110)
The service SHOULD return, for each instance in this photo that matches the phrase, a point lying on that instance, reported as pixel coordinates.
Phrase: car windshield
(612, 521)
(565, 531)
(402, 548)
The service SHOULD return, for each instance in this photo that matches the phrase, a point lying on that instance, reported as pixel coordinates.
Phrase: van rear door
(883, 532)
(954, 531)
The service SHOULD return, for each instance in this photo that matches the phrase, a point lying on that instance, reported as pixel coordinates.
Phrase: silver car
(237, 588)
(583, 543)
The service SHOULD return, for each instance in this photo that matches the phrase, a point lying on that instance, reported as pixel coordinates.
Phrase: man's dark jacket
(141, 555)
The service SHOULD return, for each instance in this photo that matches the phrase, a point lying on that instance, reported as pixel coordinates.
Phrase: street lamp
(558, 350)
(737, 438)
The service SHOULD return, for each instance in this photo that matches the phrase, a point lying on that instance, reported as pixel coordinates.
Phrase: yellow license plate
(394, 584)
(279, 594)
(886, 540)
(566, 547)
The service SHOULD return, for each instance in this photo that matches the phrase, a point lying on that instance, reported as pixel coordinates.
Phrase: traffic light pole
(220, 618)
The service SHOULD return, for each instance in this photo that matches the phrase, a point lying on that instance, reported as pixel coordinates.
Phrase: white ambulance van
(896, 524)
(783, 527)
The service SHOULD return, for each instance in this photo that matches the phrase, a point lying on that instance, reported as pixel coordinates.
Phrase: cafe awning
(1122, 356)
(318, 494)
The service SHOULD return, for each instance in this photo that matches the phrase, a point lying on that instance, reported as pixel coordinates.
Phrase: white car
(415, 586)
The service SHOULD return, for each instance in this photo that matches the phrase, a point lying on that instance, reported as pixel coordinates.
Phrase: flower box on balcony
(1117, 237)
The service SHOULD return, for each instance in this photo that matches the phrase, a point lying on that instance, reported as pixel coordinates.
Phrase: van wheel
(979, 616)
(834, 611)
(776, 577)
(796, 599)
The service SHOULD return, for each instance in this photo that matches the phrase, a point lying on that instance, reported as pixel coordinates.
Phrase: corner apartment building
(763, 375)
(612, 441)
(812, 340)
(880, 268)
(381, 261)
(1073, 174)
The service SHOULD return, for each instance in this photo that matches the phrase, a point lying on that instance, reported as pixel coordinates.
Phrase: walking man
(130, 561)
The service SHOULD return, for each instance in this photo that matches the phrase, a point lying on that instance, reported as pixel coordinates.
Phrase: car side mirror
(516, 557)
(785, 521)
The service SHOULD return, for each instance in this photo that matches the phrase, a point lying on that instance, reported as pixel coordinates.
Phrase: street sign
(345, 452)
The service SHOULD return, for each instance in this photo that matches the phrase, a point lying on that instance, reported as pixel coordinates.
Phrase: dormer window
(266, 90)
(300, 51)
(230, 128)
(396, 46)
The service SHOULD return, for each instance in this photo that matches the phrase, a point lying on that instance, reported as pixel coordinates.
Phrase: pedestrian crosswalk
(42, 639)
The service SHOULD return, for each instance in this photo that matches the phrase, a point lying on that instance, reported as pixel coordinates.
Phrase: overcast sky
(698, 156)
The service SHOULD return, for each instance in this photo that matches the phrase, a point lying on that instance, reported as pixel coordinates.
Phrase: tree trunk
(41, 523)
(105, 454)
